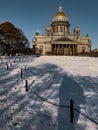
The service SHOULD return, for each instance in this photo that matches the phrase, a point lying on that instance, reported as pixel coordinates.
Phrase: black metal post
(10, 64)
(7, 66)
(71, 111)
(21, 73)
(2, 61)
(25, 68)
(34, 50)
(26, 85)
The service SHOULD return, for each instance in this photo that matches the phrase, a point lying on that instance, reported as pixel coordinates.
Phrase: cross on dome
(60, 9)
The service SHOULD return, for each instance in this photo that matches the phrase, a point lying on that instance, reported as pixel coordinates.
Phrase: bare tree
(14, 39)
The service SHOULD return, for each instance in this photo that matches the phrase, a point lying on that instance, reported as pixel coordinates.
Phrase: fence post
(10, 64)
(26, 85)
(71, 110)
(21, 73)
(25, 69)
(7, 66)
(2, 61)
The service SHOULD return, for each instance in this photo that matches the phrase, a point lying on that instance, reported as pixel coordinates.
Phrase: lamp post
(45, 47)
(51, 45)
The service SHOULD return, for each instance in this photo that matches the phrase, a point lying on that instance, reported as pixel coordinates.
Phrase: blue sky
(35, 15)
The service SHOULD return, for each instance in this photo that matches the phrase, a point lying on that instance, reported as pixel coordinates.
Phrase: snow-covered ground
(56, 79)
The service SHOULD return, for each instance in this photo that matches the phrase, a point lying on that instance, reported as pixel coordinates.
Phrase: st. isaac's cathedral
(59, 41)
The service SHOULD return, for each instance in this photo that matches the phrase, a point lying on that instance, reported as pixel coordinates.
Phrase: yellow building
(59, 41)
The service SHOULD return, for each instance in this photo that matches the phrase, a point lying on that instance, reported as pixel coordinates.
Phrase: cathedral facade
(59, 41)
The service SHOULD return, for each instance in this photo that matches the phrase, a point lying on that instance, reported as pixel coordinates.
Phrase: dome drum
(65, 23)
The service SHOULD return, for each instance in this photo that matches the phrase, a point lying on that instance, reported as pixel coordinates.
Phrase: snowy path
(56, 79)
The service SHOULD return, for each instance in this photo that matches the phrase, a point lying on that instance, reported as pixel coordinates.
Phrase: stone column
(73, 50)
(58, 49)
(68, 49)
(62, 49)
(52, 48)
(55, 51)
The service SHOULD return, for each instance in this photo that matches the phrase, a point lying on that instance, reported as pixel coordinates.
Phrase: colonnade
(64, 49)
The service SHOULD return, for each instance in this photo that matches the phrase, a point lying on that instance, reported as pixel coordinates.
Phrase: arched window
(57, 28)
(64, 29)
(54, 30)
(41, 49)
(83, 50)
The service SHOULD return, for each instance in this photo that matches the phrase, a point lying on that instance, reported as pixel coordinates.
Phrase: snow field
(57, 79)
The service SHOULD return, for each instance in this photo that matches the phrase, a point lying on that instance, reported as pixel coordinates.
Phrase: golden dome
(60, 16)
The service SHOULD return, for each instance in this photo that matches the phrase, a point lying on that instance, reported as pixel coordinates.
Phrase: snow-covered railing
(71, 107)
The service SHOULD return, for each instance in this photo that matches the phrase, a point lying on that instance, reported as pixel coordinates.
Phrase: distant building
(58, 41)
(96, 50)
